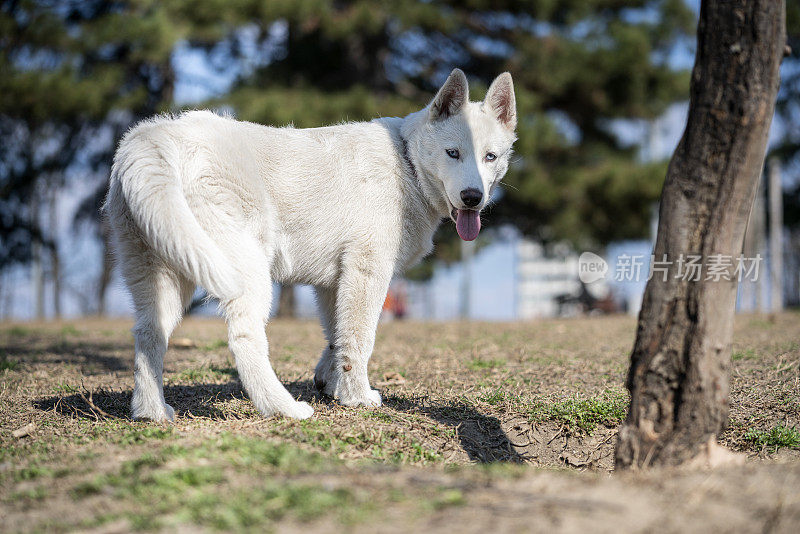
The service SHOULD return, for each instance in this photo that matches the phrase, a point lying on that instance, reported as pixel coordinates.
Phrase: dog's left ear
(501, 102)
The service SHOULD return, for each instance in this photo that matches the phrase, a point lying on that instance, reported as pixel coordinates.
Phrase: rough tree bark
(680, 364)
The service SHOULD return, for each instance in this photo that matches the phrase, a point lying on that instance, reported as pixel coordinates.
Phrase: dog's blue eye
(452, 152)
(491, 156)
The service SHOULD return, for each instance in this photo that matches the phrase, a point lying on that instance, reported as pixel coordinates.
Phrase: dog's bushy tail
(146, 171)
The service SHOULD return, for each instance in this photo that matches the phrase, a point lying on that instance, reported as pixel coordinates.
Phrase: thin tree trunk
(286, 302)
(754, 238)
(680, 364)
(55, 264)
(55, 272)
(775, 236)
(105, 270)
(37, 272)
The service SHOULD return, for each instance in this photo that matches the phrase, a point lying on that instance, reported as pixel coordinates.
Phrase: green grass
(206, 372)
(64, 388)
(380, 416)
(448, 498)
(70, 330)
(134, 435)
(249, 452)
(32, 494)
(582, 414)
(18, 331)
(215, 345)
(6, 364)
(747, 354)
(776, 437)
(32, 472)
(498, 396)
(390, 445)
(476, 364)
(212, 486)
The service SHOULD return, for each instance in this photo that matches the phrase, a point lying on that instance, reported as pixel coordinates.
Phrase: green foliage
(576, 63)
(747, 354)
(215, 345)
(6, 364)
(146, 433)
(69, 330)
(477, 364)
(776, 437)
(206, 372)
(18, 331)
(583, 414)
(69, 71)
(499, 396)
(202, 489)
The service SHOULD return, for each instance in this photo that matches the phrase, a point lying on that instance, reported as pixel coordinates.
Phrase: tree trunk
(37, 271)
(286, 302)
(55, 264)
(105, 269)
(680, 364)
(775, 236)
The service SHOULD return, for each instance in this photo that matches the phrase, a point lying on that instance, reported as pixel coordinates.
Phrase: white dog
(232, 206)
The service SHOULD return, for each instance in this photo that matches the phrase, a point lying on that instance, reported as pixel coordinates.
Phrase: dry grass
(475, 427)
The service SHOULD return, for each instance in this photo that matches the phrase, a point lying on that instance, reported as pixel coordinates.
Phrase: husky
(204, 200)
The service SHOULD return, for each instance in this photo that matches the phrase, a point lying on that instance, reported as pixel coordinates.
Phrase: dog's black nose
(471, 197)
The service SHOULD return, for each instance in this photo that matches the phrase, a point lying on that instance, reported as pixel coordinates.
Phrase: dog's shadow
(481, 436)
(197, 400)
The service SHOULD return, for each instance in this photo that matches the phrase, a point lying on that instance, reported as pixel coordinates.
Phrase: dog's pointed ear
(501, 102)
(451, 97)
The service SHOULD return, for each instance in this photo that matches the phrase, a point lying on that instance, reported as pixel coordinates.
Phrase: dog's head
(463, 147)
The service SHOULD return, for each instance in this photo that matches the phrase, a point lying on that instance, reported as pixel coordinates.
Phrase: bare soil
(485, 425)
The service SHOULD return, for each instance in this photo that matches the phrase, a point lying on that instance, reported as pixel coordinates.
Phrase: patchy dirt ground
(502, 426)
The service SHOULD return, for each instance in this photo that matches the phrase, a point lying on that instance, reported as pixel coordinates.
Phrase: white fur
(232, 206)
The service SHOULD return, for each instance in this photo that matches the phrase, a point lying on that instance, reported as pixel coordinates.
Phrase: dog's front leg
(360, 294)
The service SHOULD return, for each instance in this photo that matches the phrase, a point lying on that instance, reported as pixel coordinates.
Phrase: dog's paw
(369, 398)
(299, 410)
(161, 414)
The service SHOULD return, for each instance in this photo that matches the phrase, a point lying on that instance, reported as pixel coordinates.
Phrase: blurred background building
(601, 92)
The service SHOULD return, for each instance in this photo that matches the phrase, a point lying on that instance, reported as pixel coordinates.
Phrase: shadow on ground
(481, 437)
(189, 401)
(93, 358)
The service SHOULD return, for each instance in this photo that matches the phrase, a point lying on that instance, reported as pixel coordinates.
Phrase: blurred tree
(787, 147)
(577, 66)
(74, 74)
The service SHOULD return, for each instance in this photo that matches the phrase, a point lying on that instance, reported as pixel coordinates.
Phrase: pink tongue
(468, 224)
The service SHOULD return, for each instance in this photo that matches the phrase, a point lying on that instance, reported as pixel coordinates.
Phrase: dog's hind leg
(246, 317)
(326, 303)
(159, 298)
